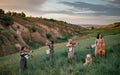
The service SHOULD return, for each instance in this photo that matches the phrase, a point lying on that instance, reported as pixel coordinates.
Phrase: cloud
(83, 19)
(113, 1)
(22, 2)
(97, 9)
(72, 11)
(26, 6)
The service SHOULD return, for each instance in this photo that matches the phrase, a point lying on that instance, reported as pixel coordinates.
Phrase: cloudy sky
(72, 11)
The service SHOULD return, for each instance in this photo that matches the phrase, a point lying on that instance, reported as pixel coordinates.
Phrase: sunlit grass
(40, 65)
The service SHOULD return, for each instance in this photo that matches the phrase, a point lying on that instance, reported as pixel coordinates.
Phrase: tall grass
(40, 64)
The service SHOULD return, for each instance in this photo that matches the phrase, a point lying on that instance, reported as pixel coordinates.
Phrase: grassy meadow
(40, 65)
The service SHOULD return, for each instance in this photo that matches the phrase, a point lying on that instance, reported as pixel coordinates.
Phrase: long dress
(23, 61)
(70, 50)
(51, 47)
(100, 47)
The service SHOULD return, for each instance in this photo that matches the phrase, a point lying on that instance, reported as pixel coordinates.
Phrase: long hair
(52, 41)
(22, 48)
(99, 35)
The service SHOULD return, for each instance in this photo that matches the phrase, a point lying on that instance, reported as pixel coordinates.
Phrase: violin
(73, 43)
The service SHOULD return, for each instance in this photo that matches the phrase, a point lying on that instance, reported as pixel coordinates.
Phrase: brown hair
(99, 35)
(22, 47)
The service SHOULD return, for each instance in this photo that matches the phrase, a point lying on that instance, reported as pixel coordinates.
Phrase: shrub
(48, 35)
(18, 27)
(92, 28)
(77, 31)
(21, 15)
(34, 44)
(6, 20)
(2, 11)
(59, 39)
(1, 29)
(9, 13)
(63, 39)
(33, 28)
(52, 20)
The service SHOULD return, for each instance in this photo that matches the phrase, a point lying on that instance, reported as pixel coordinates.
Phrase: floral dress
(70, 50)
(100, 46)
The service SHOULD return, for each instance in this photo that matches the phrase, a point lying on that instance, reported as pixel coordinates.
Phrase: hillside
(40, 65)
(16, 28)
(114, 25)
(35, 31)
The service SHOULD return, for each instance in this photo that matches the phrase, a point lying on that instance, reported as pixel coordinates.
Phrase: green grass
(40, 65)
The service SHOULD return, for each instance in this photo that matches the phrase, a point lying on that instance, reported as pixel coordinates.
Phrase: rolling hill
(114, 25)
(40, 65)
(35, 31)
(16, 28)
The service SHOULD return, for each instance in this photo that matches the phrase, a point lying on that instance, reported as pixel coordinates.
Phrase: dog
(88, 59)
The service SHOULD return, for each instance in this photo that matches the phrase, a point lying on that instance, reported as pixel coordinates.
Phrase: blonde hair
(88, 55)
(70, 40)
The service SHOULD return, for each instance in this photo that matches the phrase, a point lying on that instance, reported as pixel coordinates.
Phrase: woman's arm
(26, 50)
(96, 42)
(68, 45)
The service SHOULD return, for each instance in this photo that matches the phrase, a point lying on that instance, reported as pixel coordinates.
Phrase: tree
(2, 11)
(6, 20)
(23, 14)
(13, 13)
(20, 15)
(48, 36)
(92, 28)
(9, 13)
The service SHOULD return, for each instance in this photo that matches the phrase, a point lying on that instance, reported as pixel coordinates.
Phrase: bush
(21, 15)
(52, 20)
(6, 20)
(92, 28)
(33, 28)
(59, 39)
(48, 35)
(63, 39)
(34, 44)
(2, 11)
(18, 27)
(1, 29)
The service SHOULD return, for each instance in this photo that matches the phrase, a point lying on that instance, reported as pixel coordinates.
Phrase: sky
(98, 12)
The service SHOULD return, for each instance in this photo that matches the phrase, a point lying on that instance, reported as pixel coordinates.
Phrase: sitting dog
(88, 60)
